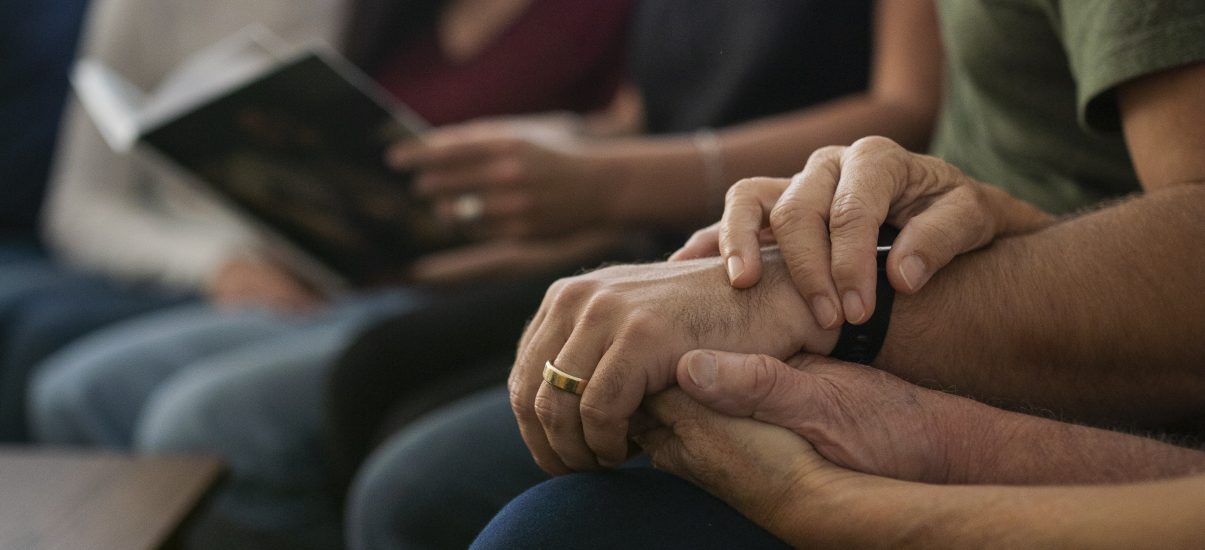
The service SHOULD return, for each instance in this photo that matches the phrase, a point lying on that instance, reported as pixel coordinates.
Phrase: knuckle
(597, 416)
(765, 376)
(849, 213)
(638, 324)
(601, 308)
(845, 269)
(547, 412)
(572, 292)
(524, 410)
(739, 189)
(874, 145)
(827, 153)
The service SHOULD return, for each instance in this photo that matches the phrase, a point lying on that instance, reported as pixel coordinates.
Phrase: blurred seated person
(43, 303)
(414, 363)
(240, 375)
(997, 300)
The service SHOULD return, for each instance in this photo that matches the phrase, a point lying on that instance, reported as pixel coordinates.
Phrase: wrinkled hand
(624, 328)
(767, 473)
(532, 179)
(826, 221)
(511, 257)
(855, 416)
(243, 281)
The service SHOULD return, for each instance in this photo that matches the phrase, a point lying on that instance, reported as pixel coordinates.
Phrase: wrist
(807, 333)
(608, 173)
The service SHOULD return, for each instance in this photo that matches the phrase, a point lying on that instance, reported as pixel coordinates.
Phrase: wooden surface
(52, 500)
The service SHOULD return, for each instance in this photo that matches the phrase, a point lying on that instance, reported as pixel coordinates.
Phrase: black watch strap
(862, 343)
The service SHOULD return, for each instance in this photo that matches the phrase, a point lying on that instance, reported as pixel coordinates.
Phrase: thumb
(741, 385)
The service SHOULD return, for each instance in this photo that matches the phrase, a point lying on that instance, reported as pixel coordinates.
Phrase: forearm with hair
(1017, 449)
(1097, 318)
(883, 513)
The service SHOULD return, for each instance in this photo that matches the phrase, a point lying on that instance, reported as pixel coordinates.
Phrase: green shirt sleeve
(1109, 42)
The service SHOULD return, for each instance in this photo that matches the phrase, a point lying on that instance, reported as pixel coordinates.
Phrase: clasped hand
(624, 329)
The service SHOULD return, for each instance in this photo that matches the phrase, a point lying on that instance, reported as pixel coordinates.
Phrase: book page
(212, 72)
(113, 103)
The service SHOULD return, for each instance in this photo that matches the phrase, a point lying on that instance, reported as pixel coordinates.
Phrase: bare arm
(863, 419)
(1098, 316)
(881, 513)
(791, 486)
(902, 102)
(533, 187)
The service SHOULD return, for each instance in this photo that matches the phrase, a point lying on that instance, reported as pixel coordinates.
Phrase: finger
(746, 211)
(484, 173)
(613, 396)
(800, 224)
(702, 244)
(495, 206)
(515, 228)
(522, 399)
(953, 225)
(754, 386)
(548, 332)
(667, 452)
(872, 172)
(561, 412)
(651, 441)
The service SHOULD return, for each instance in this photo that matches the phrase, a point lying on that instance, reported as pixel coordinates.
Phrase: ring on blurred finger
(468, 208)
(562, 380)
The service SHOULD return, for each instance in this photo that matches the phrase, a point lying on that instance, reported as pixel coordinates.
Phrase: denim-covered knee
(231, 410)
(79, 399)
(183, 416)
(626, 508)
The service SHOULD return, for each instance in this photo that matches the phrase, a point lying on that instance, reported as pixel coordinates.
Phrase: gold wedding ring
(562, 380)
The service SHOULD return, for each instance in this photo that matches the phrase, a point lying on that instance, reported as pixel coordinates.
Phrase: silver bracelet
(708, 145)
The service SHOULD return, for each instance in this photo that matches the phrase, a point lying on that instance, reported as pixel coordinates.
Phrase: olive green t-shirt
(1030, 89)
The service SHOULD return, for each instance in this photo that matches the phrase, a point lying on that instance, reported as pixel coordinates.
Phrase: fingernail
(736, 266)
(825, 311)
(702, 369)
(854, 308)
(912, 269)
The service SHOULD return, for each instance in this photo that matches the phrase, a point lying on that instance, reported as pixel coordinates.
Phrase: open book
(293, 140)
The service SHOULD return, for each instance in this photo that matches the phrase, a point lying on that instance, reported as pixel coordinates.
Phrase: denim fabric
(43, 307)
(242, 385)
(625, 508)
(437, 482)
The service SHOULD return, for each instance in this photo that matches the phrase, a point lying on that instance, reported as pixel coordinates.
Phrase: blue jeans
(437, 482)
(243, 385)
(625, 508)
(43, 307)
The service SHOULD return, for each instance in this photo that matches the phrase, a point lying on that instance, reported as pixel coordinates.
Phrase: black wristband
(861, 343)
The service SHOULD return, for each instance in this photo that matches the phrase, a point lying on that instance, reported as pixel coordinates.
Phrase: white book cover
(292, 139)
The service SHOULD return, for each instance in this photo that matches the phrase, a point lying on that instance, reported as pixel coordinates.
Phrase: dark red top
(558, 55)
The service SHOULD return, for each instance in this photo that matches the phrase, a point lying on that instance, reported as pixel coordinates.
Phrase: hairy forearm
(879, 513)
(652, 173)
(1096, 318)
(990, 446)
